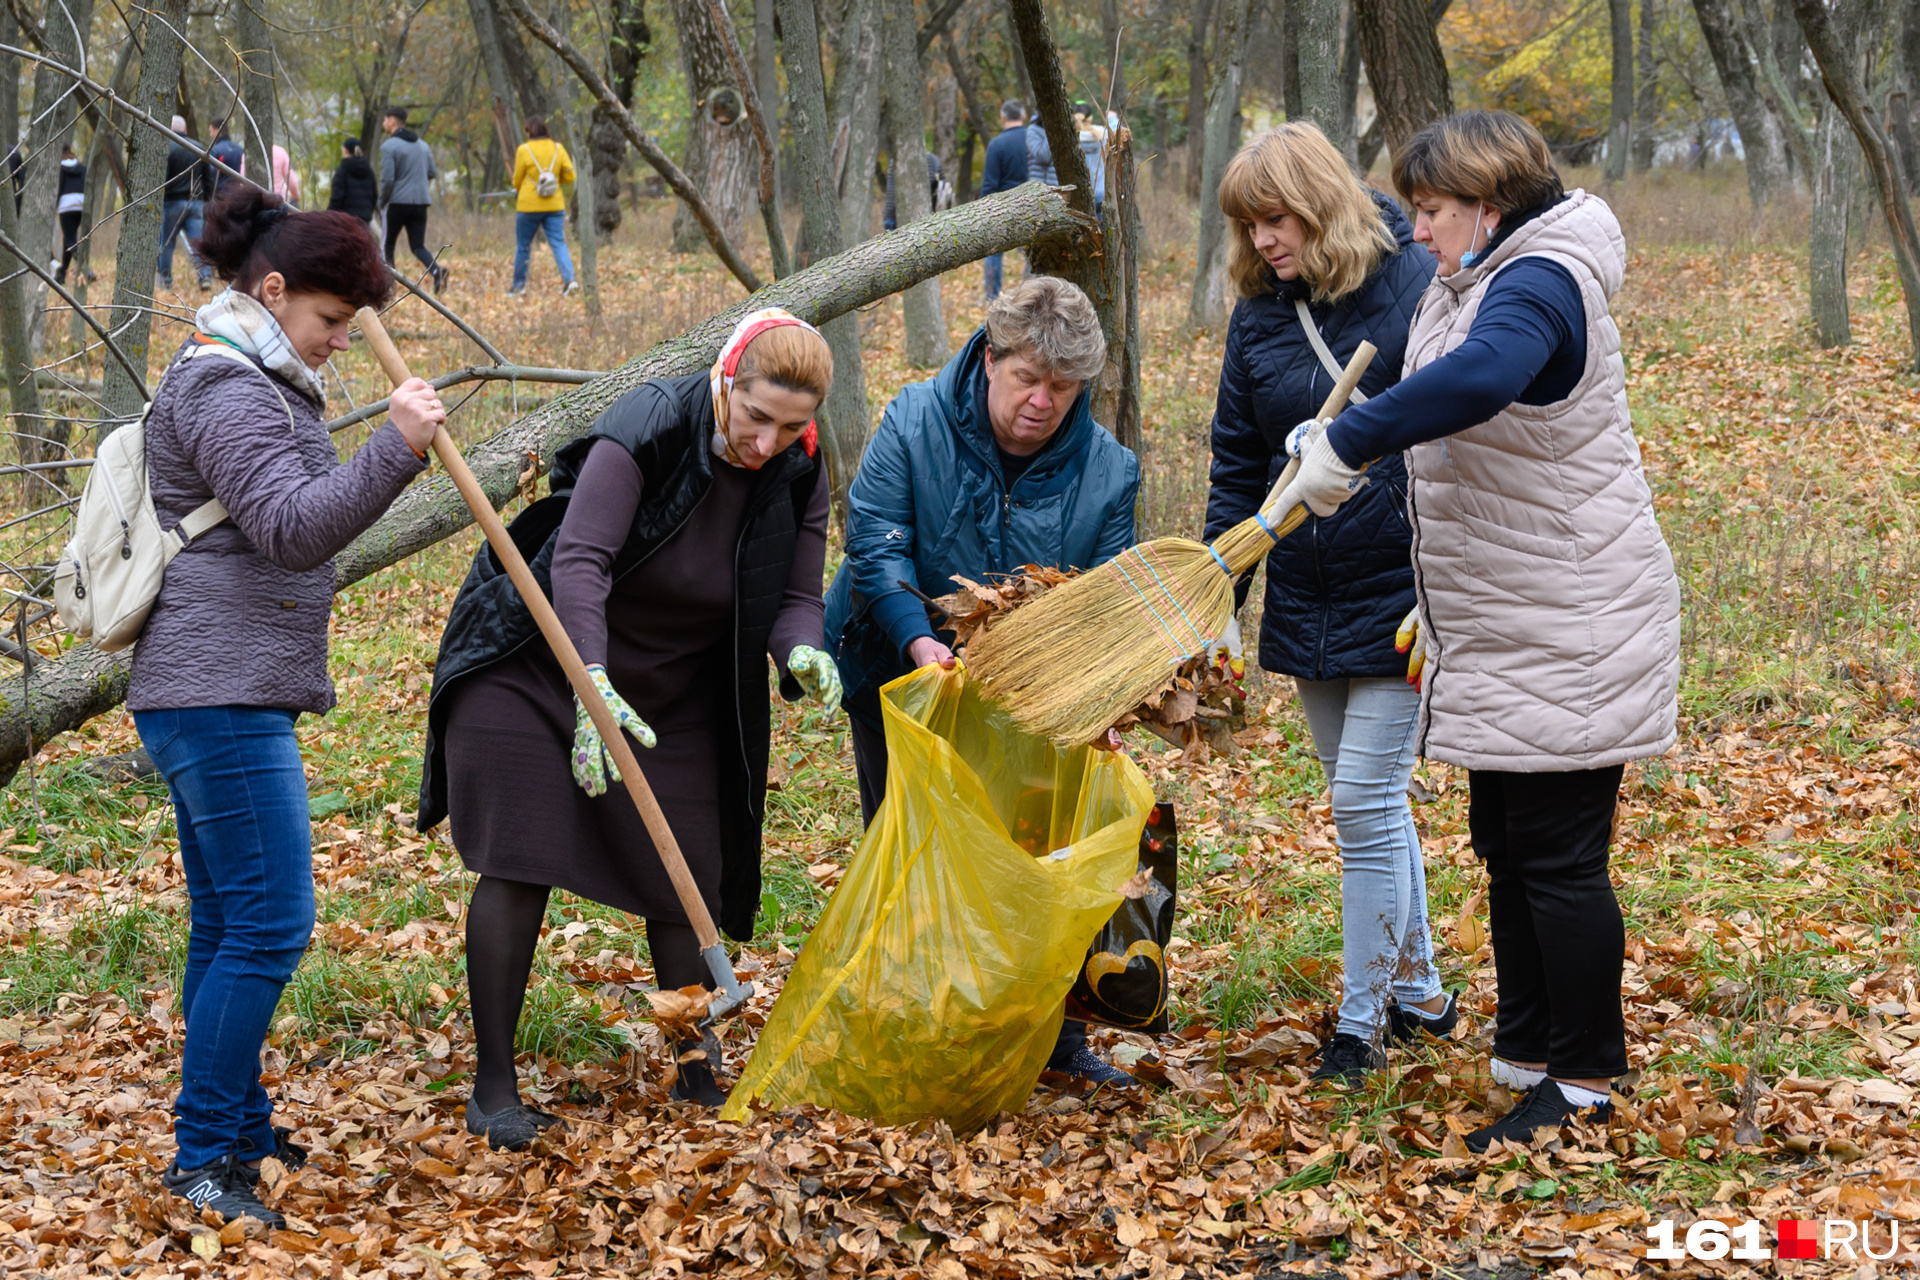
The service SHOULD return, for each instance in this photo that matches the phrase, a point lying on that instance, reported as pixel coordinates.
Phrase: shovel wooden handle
(549, 623)
(1336, 401)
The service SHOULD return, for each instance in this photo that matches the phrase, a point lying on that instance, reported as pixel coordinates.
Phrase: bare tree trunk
(1350, 82)
(719, 156)
(1118, 403)
(927, 345)
(1316, 24)
(856, 117)
(628, 42)
(1620, 125)
(23, 391)
(1206, 308)
(1646, 101)
(1197, 93)
(1744, 100)
(139, 246)
(1834, 44)
(487, 26)
(55, 112)
(1112, 50)
(766, 75)
(1021, 75)
(87, 683)
(255, 42)
(1405, 66)
(946, 125)
(846, 425)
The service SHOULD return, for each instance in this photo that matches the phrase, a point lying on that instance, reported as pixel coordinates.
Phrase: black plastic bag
(1123, 981)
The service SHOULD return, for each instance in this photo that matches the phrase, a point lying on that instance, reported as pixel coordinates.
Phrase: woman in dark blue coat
(1321, 262)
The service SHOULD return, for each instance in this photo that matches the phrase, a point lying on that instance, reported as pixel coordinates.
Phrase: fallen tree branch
(642, 141)
(86, 682)
(447, 313)
(472, 373)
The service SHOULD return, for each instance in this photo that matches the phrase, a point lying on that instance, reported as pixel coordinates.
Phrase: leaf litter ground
(1765, 868)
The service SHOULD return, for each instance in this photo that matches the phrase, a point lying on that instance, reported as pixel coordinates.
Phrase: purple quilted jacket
(242, 614)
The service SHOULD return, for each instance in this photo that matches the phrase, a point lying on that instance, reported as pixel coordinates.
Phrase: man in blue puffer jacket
(995, 464)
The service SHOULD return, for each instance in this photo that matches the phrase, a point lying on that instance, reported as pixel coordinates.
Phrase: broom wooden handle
(549, 622)
(1336, 401)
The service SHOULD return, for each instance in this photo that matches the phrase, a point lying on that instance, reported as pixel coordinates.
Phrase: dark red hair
(250, 233)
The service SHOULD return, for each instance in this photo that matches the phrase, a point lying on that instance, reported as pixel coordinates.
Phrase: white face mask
(1466, 259)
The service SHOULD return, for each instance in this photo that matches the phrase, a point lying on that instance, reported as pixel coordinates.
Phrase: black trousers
(870, 769)
(69, 237)
(413, 218)
(1556, 927)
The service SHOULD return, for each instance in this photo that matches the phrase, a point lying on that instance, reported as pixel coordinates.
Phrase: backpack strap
(1320, 348)
(199, 520)
(212, 512)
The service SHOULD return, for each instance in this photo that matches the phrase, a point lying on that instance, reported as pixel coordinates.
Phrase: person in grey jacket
(406, 172)
(236, 646)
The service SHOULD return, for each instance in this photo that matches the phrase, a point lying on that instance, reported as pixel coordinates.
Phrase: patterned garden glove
(593, 768)
(1410, 641)
(817, 674)
(1226, 651)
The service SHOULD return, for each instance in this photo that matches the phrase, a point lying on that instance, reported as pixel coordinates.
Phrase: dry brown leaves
(1197, 708)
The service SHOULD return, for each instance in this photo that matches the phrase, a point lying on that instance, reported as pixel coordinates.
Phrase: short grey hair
(1050, 321)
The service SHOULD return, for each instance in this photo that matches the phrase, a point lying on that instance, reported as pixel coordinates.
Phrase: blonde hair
(1494, 158)
(789, 356)
(1294, 168)
(1051, 321)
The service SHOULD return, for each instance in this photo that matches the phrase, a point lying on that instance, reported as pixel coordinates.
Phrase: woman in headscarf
(684, 542)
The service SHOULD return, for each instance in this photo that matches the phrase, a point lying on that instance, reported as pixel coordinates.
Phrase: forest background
(1765, 865)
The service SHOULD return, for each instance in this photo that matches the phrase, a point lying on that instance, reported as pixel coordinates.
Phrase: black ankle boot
(696, 1082)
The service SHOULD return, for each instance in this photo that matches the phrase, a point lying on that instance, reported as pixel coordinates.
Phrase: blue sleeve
(881, 532)
(1531, 323)
(1117, 534)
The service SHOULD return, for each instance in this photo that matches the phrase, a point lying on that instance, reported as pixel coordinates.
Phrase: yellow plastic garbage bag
(933, 984)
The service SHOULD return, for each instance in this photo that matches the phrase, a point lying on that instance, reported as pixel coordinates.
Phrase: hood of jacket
(406, 135)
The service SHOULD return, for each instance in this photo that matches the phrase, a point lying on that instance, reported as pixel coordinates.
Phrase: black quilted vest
(666, 424)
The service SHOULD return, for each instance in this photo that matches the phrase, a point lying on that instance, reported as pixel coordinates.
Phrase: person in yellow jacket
(543, 173)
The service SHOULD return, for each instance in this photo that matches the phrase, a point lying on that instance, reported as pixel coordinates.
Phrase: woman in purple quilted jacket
(236, 646)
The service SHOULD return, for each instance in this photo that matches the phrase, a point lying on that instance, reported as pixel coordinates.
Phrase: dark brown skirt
(517, 813)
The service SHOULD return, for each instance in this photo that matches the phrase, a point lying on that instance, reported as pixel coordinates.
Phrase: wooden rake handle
(1336, 401)
(611, 734)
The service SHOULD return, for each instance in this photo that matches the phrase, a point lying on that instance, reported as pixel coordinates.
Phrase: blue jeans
(991, 264)
(1364, 733)
(240, 802)
(525, 227)
(178, 217)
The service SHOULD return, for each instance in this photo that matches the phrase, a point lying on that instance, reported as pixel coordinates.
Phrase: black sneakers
(1084, 1064)
(1405, 1022)
(1346, 1060)
(228, 1188)
(1542, 1107)
(288, 1152)
(439, 275)
(512, 1127)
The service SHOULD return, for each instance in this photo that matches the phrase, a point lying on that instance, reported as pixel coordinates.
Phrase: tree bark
(719, 155)
(1620, 124)
(766, 75)
(1021, 75)
(55, 111)
(139, 246)
(1197, 94)
(946, 125)
(1117, 403)
(927, 345)
(846, 426)
(487, 26)
(87, 683)
(1646, 99)
(23, 390)
(1207, 305)
(1350, 83)
(255, 73)
(1405, 66)
(766, 131)
(1317, 27)
(856, 117)
(1744, 101)
(1112, 49)
(1833, 42)
(629, 38)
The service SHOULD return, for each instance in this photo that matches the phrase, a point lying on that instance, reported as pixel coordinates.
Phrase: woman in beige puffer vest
(1547, 598)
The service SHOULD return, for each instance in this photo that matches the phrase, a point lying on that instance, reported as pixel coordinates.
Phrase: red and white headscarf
(751, 326)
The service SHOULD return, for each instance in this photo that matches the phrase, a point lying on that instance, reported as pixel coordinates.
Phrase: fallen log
(86, 683)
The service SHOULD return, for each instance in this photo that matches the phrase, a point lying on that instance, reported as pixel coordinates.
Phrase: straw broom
(1078, 658)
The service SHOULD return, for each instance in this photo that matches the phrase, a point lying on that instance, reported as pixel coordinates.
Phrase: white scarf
(240, 319)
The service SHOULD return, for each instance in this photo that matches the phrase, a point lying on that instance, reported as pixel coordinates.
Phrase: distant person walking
(1005, 169)
(286, 178)
(73, 201)
(543, 174)
(181, 207)
(1093, 145)
(1040, 156)
(227, 152)
(889, 218)
(355, 190)
(406, 169)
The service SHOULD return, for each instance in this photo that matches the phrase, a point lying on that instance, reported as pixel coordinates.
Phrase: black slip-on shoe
(227, 1187)
(1406, 1022)
(1541, 1107)
(697, 1078)
(1347, 1059)
(511, 1128)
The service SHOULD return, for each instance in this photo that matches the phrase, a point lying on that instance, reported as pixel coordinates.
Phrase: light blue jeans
(1364, 732)
(528, 225)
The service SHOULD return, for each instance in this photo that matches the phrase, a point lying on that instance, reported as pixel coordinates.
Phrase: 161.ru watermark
(1750, 1241)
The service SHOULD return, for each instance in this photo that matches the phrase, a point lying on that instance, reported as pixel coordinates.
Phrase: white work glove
(1412, 641)
(1301, 436)
(593, 768)
(817, 674)
(1325, 481)
(1226, 651)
